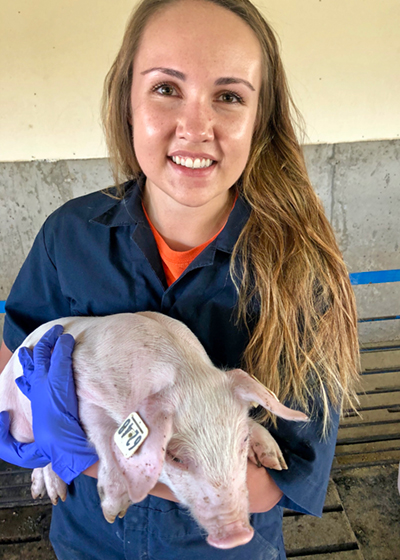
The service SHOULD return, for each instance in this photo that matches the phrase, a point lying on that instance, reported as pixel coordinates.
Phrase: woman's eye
(164, 89)
(230, 97)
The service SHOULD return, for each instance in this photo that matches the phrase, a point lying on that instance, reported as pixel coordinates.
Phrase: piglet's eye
(174, 458)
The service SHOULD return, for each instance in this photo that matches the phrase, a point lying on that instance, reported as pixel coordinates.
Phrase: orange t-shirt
(176, 262)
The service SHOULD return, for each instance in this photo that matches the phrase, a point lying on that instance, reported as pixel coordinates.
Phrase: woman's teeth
(193, 163)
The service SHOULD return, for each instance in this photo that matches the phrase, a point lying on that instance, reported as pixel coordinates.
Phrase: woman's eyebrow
(227, 81)
(169, 71)
(182, 76)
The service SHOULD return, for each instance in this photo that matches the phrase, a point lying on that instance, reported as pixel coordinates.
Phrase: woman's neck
(184, 227)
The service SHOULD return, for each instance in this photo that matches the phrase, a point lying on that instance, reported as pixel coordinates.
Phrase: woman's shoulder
(86, 205)
(87, 209)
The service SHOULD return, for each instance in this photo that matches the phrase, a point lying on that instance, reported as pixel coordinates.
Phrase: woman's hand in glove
(49, 384)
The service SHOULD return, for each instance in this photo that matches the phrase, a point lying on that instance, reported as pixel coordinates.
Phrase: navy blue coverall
(97, 256)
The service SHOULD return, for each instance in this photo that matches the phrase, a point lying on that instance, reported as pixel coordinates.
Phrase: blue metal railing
(374, 277)
(357, 279)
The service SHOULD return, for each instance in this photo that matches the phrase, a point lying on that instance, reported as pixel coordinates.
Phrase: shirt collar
(237, 219)
(129, 211)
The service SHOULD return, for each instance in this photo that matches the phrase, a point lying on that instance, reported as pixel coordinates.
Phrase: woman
(217, 226)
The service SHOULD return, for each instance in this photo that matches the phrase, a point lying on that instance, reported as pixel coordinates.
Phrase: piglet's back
(122, 359)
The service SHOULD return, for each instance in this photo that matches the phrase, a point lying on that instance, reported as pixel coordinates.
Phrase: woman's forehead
(197, 31)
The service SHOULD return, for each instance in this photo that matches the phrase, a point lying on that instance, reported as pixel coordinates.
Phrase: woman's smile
(193, 162)
(193, 165)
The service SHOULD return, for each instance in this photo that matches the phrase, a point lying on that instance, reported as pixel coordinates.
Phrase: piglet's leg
(46, 479)
(38, 486)
(111, 485)
(263, 449)
(54, 485)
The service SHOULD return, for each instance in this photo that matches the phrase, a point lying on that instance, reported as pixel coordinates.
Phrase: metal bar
(381, 370)
(375, 277)
(374, 349)
(373, 319)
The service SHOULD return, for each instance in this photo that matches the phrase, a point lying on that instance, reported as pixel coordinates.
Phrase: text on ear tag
(131, 434)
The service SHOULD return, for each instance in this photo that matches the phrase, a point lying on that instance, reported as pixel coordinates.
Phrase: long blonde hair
(292, 282)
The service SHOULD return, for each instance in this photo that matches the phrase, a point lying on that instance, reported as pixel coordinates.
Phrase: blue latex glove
(49, 384)
(22, 454)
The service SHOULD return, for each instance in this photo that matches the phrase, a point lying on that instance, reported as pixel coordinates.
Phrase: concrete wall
(359, 184)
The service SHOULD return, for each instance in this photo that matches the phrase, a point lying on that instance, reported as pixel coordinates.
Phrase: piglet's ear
(249, 389)
(143, 469)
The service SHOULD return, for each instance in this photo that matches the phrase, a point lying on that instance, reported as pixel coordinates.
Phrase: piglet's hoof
(122, 513)
(38, 487)
(108, 517)
(263, 449)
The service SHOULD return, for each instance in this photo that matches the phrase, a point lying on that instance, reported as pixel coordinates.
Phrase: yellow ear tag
(131, 434)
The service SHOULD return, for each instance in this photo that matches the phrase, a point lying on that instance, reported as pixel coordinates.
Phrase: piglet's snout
(234, 534)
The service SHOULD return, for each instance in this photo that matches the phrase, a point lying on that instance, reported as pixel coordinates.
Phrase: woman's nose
(195, 123)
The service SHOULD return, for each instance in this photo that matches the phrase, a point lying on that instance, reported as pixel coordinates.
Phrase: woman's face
(195, 90)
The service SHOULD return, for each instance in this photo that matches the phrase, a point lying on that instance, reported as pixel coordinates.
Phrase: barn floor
(361, 519)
